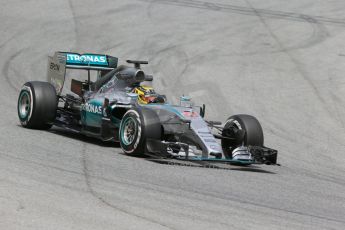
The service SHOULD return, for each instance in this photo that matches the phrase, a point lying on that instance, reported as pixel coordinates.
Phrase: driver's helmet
(147, 95)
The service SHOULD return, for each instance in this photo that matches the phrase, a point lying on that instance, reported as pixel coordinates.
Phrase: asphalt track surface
(281, 61)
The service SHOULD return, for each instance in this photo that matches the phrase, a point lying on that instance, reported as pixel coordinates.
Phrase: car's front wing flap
(260, 154)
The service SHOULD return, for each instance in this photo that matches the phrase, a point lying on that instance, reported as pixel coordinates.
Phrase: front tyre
(242, 130)
(37, 104)
(139, 126)
(131, 133)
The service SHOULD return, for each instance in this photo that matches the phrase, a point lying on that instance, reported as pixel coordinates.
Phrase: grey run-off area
(281, 61)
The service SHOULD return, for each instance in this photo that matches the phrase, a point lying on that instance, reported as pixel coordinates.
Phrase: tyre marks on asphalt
(199, 196)
(10, 157)
(75, 23)
(7, 41)
(207, 5)
(319, 31)
(109, 204)
(8, 66)
(296, 62)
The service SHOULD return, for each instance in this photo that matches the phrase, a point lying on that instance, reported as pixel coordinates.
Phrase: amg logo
(54, 66)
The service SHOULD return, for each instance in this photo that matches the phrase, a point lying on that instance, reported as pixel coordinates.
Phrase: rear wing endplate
(61, 61)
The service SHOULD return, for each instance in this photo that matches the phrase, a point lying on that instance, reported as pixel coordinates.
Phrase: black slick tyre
(137, 125)
(244, 130)
(37, 104)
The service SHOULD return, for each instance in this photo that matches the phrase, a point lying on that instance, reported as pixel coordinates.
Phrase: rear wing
(61, 61)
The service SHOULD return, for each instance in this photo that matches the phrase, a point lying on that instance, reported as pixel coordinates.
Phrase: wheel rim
(229, 145)
(24, 105)
(235, 124)
(129, 131)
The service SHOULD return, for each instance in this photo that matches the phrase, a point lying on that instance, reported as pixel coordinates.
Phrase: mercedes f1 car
(118, 106)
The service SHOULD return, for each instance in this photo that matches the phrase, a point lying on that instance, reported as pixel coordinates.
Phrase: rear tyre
(245, 130)
(37, 104)
(137, 125)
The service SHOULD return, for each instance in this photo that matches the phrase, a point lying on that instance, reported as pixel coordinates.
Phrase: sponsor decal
(86, 59)
(92, 108)
(54, 66)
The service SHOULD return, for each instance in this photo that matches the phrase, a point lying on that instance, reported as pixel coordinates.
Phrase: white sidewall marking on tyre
(138, 133)
(27, 88)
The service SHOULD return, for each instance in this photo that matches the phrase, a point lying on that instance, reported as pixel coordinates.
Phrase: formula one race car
(118, 106)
